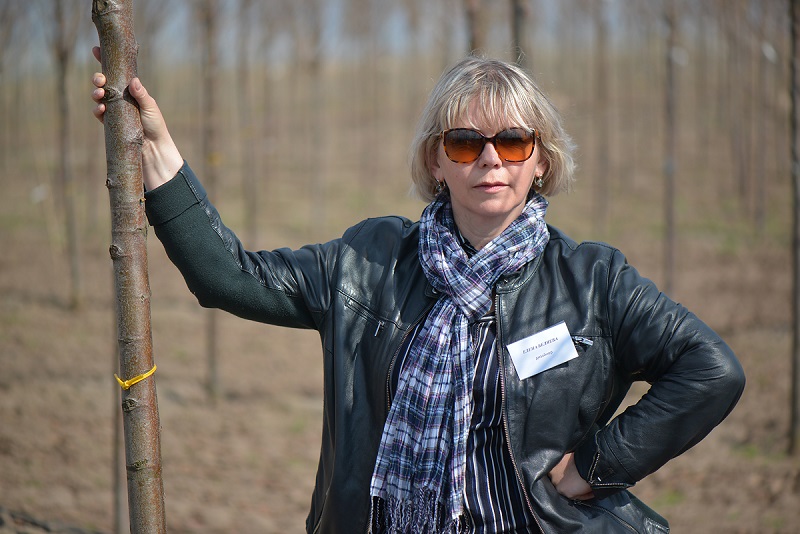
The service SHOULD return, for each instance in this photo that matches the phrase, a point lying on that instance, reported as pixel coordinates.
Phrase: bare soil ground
(246, 463)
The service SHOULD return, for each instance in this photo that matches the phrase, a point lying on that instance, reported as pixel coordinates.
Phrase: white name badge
(542, 351)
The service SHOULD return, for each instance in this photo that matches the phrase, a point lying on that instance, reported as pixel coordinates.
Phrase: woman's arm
(281, 287)
(284, 287)
(695, 382)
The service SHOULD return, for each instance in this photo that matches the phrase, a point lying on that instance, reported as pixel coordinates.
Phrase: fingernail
(137, 85)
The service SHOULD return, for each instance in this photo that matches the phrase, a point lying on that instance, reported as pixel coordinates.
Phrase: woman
(474, 360)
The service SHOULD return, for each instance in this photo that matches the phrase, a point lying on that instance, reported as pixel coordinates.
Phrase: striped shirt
(493, 500)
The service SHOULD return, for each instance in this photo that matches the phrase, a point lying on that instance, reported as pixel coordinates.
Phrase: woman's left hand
(568, 481)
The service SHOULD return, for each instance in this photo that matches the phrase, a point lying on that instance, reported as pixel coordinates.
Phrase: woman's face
(489, 193)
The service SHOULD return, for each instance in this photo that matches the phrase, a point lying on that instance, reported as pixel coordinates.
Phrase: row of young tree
(601, 57)
(344, 74)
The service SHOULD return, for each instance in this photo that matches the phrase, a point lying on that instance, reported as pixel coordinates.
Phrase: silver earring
(539, 182)
(439, 186)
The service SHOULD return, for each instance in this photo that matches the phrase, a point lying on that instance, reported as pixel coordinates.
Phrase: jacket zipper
(580, 340)
(505, 415)
(397, 353)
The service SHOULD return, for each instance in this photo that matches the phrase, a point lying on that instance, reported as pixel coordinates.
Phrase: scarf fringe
(422, 515)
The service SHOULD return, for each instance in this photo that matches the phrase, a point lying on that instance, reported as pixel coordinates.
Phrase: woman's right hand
(161, 159)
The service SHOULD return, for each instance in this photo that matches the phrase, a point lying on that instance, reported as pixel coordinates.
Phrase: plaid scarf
(420, 470)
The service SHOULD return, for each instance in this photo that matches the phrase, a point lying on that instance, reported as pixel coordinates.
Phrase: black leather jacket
(365, 291)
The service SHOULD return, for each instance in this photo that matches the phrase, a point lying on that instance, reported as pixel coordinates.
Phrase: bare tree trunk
(741, 142)
(307, 33)
(209, 21)
(602, 116)
(669, 149)
(151, 17)
(247, 124)
(761, 88)
(63, 43)
(360, 27)
(9, 17)
(519, 18)
(123, 135)
(476, 25)
(794, 89)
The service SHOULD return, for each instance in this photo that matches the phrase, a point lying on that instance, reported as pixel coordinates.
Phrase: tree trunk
(63, 44)
(602, 183)
(123, 136)
(209, 22)
(794, 89)
(519, 18)
(669, 150)
(247, 123)
(476, 26)
(760, 118)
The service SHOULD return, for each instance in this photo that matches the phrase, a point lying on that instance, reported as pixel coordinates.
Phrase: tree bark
(123, 137)
(794, 90)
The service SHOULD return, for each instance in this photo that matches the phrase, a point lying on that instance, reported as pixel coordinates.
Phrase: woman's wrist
(160, 163)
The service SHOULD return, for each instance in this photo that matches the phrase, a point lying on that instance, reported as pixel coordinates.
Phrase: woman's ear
(542, 166)
(433, 163)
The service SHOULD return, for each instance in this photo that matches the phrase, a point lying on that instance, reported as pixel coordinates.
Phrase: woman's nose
(489, 156)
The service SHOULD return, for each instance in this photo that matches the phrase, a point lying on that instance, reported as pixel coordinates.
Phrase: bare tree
(65, 20)
(476, 25)
(123, 134)
(520, 10)
(208, 16)
(760, 119)
(794, 426)
(307, 16)
(246, 120)
(602, 183)
(10, 16)
(670, 88)
(150, 18)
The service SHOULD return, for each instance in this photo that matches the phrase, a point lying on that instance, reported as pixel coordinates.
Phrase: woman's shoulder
(378, 239)
(563, 244)
(381, 228)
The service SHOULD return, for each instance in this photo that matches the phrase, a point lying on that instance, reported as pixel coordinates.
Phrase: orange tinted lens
(514, 144)
(462, 145)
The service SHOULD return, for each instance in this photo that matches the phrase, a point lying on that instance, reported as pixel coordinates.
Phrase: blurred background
(297, 116)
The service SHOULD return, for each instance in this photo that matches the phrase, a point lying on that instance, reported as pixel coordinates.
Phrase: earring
(539, 182)
(439, 186)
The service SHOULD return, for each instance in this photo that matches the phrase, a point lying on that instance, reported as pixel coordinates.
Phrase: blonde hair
(507, 96)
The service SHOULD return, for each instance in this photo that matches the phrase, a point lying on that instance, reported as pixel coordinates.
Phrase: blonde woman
(474, 360)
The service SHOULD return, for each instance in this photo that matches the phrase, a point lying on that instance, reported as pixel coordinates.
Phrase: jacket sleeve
(284, 287)
(695, 382)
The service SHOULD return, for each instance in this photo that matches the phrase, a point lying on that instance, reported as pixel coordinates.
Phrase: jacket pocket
(626, 511)
(375, 324)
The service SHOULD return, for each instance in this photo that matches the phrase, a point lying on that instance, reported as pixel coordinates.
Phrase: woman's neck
(478, 233)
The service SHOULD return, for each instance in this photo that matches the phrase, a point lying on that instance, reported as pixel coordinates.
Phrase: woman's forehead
(485, 115)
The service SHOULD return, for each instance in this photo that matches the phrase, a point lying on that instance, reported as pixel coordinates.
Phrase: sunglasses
(465, 145)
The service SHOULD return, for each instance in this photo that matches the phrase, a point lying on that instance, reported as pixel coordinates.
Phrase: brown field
(247, 462)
